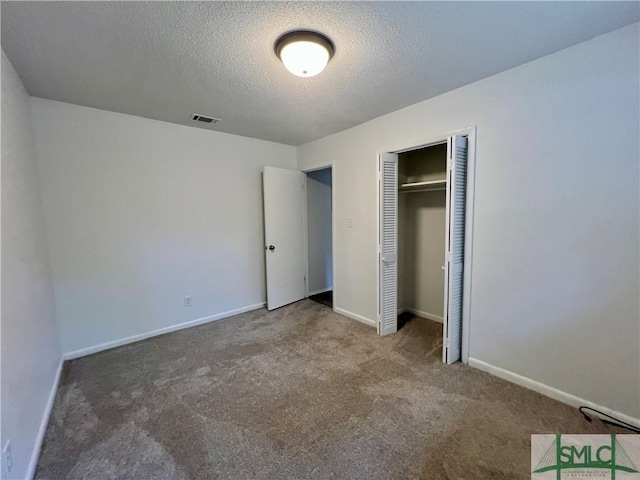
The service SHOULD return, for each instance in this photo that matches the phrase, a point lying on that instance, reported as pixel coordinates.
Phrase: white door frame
(333, 227)
(470, 133)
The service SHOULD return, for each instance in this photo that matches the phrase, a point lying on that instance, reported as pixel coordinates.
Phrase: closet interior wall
(421, 231)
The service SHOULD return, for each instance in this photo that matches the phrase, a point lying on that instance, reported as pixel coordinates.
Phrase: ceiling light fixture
(303, 52)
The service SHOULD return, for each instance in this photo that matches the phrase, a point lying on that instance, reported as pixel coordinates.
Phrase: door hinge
(447, 343)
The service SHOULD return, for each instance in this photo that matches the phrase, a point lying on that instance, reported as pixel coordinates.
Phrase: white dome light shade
(304, 59)
(304, 53)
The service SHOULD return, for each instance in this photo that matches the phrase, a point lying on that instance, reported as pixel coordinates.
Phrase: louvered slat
(454, 275)
(389, 248)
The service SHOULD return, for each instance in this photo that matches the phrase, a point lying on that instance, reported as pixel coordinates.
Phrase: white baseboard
(44, 422)
(427, 315)
(548, 391)
(161, 331)
(355, 316)
(322, 290)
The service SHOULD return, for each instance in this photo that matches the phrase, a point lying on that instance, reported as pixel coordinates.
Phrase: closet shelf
(423, 186)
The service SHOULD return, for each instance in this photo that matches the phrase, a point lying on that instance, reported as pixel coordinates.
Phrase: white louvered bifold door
(388, 244)
(454, 245)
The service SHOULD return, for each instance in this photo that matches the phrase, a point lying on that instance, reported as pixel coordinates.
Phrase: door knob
(272, 248)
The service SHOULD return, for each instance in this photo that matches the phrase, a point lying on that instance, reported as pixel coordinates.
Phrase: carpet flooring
(296, 393)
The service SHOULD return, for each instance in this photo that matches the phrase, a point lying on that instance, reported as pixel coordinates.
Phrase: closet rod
(423, 186)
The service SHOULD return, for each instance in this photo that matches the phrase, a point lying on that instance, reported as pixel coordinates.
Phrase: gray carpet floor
(296, 393)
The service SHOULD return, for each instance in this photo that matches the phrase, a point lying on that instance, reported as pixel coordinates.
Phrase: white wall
(31, 354)
(140, 213)
(422, 243)
(319, 230)
(556, 244)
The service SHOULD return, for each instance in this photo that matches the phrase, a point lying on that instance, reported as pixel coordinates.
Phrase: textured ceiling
(165, 60)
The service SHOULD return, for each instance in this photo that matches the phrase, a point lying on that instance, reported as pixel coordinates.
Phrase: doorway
(319, 233)
(298, 226)
(426, 196)
(421, 232)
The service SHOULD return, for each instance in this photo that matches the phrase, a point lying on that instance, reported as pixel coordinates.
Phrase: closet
(422, 182)
(424, 237)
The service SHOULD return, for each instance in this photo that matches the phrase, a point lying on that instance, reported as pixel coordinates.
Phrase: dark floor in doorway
(325, 298)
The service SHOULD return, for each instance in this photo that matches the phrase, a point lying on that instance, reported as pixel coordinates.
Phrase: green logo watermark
(585, 456)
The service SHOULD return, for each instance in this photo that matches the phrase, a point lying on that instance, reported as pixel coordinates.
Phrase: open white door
(388, 250)
(454, 244)
(284, 235)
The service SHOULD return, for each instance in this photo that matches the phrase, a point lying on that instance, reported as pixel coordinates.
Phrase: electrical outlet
(188, 301)
(7, 459)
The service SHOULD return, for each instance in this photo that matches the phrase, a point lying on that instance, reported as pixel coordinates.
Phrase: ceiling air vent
(204, 119)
